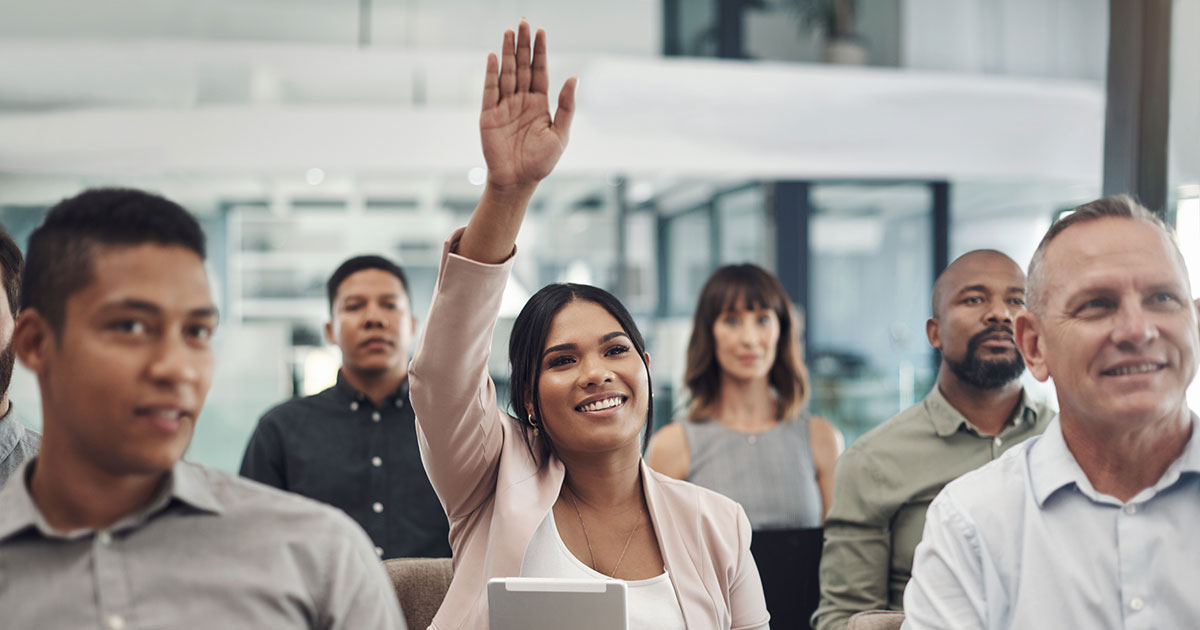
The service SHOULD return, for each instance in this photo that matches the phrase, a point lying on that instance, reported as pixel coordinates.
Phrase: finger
(508, 66)
(566, 108)
(523, 57)
(491, 82)
(541, 73)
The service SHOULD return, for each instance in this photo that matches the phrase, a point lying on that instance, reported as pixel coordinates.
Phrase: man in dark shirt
(354, 445)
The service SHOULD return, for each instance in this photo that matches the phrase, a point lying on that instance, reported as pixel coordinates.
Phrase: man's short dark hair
(357, 264)
(59, 261)
(10, 269)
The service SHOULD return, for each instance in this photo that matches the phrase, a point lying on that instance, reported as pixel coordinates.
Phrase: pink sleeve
(458, 419)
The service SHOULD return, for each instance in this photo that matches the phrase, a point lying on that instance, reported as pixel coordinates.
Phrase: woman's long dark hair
(753, 287)
(528, 340)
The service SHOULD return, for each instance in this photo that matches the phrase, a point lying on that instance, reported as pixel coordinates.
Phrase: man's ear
(1032, 344)
(32, 338)
(932, 330)
(329, 333)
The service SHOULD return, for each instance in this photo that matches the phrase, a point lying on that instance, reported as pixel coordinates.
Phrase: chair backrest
(421, 585)
(876, 620)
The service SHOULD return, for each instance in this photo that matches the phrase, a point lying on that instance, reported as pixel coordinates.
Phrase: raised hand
(521, 143)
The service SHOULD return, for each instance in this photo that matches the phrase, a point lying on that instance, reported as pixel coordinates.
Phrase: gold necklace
(588, 539)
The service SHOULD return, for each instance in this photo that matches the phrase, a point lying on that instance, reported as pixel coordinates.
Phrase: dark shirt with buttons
(339, 448)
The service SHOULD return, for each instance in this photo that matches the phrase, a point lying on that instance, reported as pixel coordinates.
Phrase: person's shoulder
(900, 428)
(707, 503)
(996, 489)
(297, 408)
(245, 499)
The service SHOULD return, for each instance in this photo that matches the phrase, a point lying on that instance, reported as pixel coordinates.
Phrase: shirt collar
(947, 420)
(1052, 466)
(347, 391)
(11, 432)
(188, 483)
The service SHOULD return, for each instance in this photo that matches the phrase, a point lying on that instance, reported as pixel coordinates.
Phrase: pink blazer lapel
(684, 561)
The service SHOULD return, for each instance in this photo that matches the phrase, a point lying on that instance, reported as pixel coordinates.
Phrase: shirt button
(399, 402)
(998, 442)
(377, 506)
(354, 406)
(1136, 603)
(379, 551)
(115, 622)
(375, 416)
(1131, 509)
(104, 538)
(752, 439)
(376, 462)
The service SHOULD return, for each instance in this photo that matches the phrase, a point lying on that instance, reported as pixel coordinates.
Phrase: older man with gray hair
(1092, 524)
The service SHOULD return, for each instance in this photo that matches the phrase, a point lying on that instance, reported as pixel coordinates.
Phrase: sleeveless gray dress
(771, 474)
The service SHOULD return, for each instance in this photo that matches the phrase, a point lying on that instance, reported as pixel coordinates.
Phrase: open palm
(521, 143)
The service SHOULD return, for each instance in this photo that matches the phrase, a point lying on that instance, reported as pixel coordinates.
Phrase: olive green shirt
(883, 484)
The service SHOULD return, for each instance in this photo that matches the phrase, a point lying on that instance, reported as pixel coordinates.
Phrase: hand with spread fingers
(521, 143)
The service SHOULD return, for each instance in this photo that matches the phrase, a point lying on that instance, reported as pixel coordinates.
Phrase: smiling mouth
(601, 405)
(165, 419)
(1126, 370)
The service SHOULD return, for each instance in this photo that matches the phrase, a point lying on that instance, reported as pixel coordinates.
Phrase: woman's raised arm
(460, 425)
(521, 143)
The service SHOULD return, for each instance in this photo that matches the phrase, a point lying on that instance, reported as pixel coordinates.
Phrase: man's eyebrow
(205, 311)
(154, 309)
(1016, 290)
(972, 288)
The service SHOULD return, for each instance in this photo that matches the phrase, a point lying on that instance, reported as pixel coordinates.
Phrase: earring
(532, 424)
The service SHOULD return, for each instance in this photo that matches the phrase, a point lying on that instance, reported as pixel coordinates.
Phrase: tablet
(553, 604)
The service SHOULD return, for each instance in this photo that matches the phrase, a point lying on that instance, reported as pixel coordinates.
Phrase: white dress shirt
(1027, 542)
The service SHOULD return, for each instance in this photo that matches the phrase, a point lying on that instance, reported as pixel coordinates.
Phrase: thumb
(566, 108)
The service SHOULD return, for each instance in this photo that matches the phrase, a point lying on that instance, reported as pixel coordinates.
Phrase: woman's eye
(559, 361)
(763, 320)
(730, 321)
(616, 350)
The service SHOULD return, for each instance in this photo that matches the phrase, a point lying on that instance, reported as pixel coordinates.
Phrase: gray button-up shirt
(209, 551)
(17, 444)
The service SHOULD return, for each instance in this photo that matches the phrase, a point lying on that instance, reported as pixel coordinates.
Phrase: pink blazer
(496, 492)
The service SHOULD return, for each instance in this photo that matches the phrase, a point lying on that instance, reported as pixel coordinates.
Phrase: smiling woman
(561, 491)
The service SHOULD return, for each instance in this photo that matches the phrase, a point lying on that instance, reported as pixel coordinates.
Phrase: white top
(1027, 542)
(652, 603)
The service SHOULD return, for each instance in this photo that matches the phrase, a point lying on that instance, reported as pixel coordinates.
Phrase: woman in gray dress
(747, 433)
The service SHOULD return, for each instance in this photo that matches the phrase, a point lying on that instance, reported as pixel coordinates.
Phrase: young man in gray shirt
(107, 526)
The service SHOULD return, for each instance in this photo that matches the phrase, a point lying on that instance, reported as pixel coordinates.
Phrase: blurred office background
(853, 148)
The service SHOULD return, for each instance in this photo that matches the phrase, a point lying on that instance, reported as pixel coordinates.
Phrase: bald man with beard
(885, 481)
